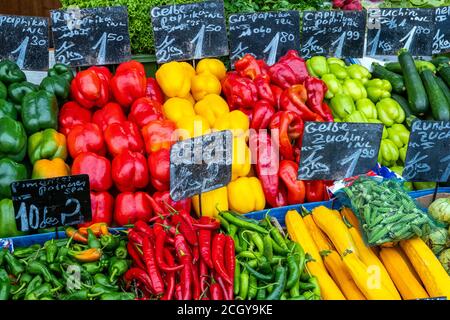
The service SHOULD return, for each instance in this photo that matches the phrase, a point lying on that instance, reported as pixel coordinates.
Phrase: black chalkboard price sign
(200, 164)
(94, 36)
(45, 203)
(333, 33)
(428, 155)
(265, 35)
(189, 31)
(25, 41)
(441, 39)
(337, 150)
(390, 30)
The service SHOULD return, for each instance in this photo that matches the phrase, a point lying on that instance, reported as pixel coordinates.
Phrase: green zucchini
(417, 96)
(444, 73)
(438, 102)
(444, 88)
(394, 67)
(420, 64)
(396, 80)
(437, 61)
(403, 103)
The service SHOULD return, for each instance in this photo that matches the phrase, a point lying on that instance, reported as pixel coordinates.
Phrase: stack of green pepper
(25, 110)
(268, 266)
(66, 270)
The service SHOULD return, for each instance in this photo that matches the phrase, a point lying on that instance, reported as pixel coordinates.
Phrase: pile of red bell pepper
(116, 133)
(179, 257)
(278, 100)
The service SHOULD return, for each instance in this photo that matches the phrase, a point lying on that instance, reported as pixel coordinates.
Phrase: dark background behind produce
(28, 7)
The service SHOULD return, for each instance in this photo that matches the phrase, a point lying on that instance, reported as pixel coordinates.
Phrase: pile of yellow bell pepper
(194, 103)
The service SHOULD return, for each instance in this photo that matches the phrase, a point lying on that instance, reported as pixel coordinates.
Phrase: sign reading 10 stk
(189, 31)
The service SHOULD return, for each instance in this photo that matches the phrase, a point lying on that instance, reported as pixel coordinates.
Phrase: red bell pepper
(262, 113)
(153, 91)
(240, 92)
(110, 113)
(294, 99)
(131, 207)
(285, 127)
(97, 167)
(289, 70)
(295, 188)
(90, 87)
(315, 190)
(163, 198)
(129, 83)
(277, 92)
(265, 156)
(72, 114)
(102, 204)
(264, 90)
(316, 90)
(123, 136)
(85, 137)
(159, 165)
(130, 171)
(145, 110)
(159, 134)
(251, 68)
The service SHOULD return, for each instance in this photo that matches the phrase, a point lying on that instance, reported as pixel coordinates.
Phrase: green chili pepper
(253, 263)
(237, 244)
(93, 242)
(51, 251)
(258, 275)
(224, 224)
(295, 290)
(244, 281)
(297, 298)
(243, 242)
(15, 267)
(121, 251)
(43, 289)
(305, 286)
(294, 272)
(37, 268)
(82, 294)
(264, 264)
(117, 267)
(98, 290)
(240, 222)
(268, 248)
(36, 282)
(261, 295)
(103, 280)
(278, 238)
(316, 290)
(94, 267)
(252, 287)
(5, 285)
(237, 276)
(280, 283)
(258, 241)
(233, 229)
(109, 242)
(62, 253)
(117, 296)
(21, 253)
(278, 249)
(2, 255)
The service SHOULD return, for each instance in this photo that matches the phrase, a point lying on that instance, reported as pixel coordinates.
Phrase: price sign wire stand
(435, 191)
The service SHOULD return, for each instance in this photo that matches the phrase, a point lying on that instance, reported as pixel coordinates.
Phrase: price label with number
(338, 34)
(25, 41)
(265, 35)
(337, 150)
(428, 155)
(189, 31)
(390, 30)
(441, 39)
(46, 203)
(94, 36)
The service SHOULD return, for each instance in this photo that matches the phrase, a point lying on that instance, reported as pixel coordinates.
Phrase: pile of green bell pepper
(50, 271)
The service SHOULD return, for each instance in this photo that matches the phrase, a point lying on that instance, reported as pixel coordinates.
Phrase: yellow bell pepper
(178, 108)
(189, 98)
(45, 169)
(192, 126)
(211, 202)
(211, 107)
(174, 79)
(189, 69)
(254, 196)
(236, 121)
(203, 84)
(241, 164)
(213, 66)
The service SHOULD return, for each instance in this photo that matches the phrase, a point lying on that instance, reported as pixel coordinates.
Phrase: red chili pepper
(295, 188)
(185, 256)
(223, 287)
(186, 229)
(159, 252)
(286, 126)
(142, 227)
(262, 113)
(139, 275)
(152, 267)
(170, 241)
(316, 90)
(204, 239)
(212, 226)
(135, 237)
(178, 294)
(195, 254)
(216, 291)
(196, 292)
(170, 276)
(230, 263)
(135, 255)
(204, 275)
(218, 246)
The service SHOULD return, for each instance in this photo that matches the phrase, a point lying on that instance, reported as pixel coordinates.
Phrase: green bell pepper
(388, 154)
(342, 105)
(333, 60)
(5, 285)
(56, 85)
(367, 107)
(407, 184)
(10, 171)
(356, 116)
(333, 85)
(356, 71)
(378, 89)
(7, 109)
(355, 89)
(402, 152)
(39, 111)
(424, 185)
(10, 72)
(310, 69)
(379, 83)
(390, 112)
(398, 134)
(47, 144)
(62, 70)
(8, 227)
(13, 139)
(3, 91)
(319, 65)
(339, 71)
(17, 91)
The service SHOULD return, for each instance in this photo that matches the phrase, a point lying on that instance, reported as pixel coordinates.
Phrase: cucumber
(438, 102)
(444, 73)
(403, 103)
(444, 88)
(417, 96)
(396, 80)
(437, 61)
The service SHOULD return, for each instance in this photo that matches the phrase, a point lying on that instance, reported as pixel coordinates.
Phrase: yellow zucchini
(431, 272)
(367, 279)
(400, 272)
(350, 216)
(320, 239)
(334, 227)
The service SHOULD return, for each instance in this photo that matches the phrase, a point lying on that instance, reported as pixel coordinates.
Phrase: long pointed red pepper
(159, 253)
(218, 245)
(170, 276)
(196, 292)
(137, 259)
(152, 267)
(141, 276)
(204, 239)
(183, 252)
(204, 275)
(230, 263)
(216, 291)
(142, 227)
